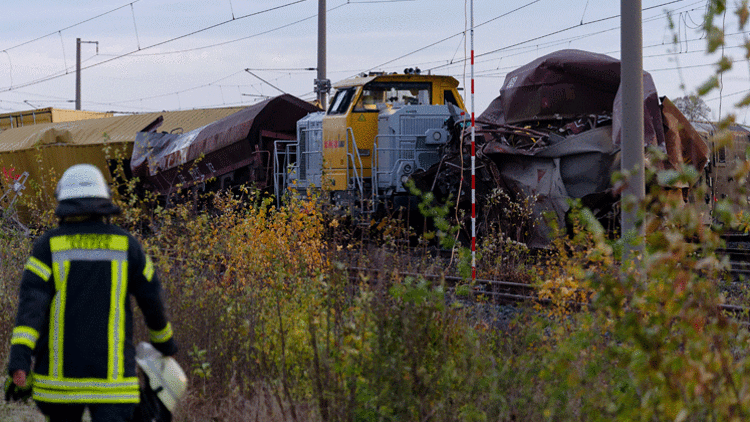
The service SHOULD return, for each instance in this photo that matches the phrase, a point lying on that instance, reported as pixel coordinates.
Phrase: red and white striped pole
(473, 163)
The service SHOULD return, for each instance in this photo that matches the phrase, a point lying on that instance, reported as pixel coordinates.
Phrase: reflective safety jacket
(75, 317)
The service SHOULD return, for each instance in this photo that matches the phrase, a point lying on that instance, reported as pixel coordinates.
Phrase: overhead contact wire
(137, 38)
(552, 33)
(453, 36)
(71, 26)
(49, 78)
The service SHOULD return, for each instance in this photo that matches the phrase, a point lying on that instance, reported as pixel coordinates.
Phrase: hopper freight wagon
(237, 149)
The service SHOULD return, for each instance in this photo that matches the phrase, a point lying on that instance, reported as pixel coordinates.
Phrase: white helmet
(82, 181)
(165, 376)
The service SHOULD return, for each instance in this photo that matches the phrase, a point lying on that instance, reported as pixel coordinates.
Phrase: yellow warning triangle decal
(361, 117)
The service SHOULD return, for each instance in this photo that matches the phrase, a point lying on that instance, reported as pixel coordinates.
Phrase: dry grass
(261, 406)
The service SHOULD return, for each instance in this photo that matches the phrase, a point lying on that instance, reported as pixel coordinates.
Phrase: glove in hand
(16, 393)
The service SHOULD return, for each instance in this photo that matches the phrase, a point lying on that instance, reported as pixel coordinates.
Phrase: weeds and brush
(268, 318)
(272, 327)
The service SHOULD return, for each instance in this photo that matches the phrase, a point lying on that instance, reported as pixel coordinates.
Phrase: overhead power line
(507, 47)
(207, 85)
(71, 26)
(281, 69)
(302, 69)
(520, 49)
(139, 51)
(58, 75)
(555, 33)
(187, 50)
(452, 36)
(377, 1)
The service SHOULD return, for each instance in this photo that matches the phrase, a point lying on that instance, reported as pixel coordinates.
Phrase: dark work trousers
(101, 412)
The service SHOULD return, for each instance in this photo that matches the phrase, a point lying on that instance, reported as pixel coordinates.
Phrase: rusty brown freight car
(234, 150)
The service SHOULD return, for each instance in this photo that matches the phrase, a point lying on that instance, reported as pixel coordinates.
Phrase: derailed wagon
(554, 133)
(237, 149)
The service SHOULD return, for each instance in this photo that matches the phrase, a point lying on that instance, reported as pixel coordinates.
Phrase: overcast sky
(157, 55)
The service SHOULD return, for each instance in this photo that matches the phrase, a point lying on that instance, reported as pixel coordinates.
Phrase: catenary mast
(631, 41)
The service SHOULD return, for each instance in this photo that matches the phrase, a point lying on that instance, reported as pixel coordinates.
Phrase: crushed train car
(234, 150)
(553, 134)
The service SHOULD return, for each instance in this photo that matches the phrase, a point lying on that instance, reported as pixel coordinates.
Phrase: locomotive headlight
(436, 136)
(407, 169)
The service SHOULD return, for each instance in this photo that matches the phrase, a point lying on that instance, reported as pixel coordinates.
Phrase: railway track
(499, 292)
(496, 291)
(502, 292)
(739, 259)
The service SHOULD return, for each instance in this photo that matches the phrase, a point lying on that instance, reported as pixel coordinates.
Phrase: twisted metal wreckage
(554, 133)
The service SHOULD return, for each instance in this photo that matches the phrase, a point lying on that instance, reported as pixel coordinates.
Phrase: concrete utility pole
(631, 45)
(322, 85)
(78, 68)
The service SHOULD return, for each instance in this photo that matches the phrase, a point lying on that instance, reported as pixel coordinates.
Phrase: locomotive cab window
(341, 101)
(380, 95)
(449, 98)
(369, 101)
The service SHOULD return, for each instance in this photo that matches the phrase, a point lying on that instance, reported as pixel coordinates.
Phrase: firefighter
(74, 315)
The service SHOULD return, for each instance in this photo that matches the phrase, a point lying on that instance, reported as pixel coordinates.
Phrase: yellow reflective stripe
(85, 390)
(94, 384)
(39, 268)
(111, 242)
(116, 332)
(24, 335)
(148, 270)
(119, 243)
(85, 396)
(57, 323)
(162, 335)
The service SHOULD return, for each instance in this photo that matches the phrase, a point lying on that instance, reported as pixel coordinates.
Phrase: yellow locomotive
(378, 130)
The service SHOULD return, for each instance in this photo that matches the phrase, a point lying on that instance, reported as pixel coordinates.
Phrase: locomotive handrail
(375, 169)
(308, 152)
(376, 166)
(292, 156)
(357, 178)
(280, 176)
